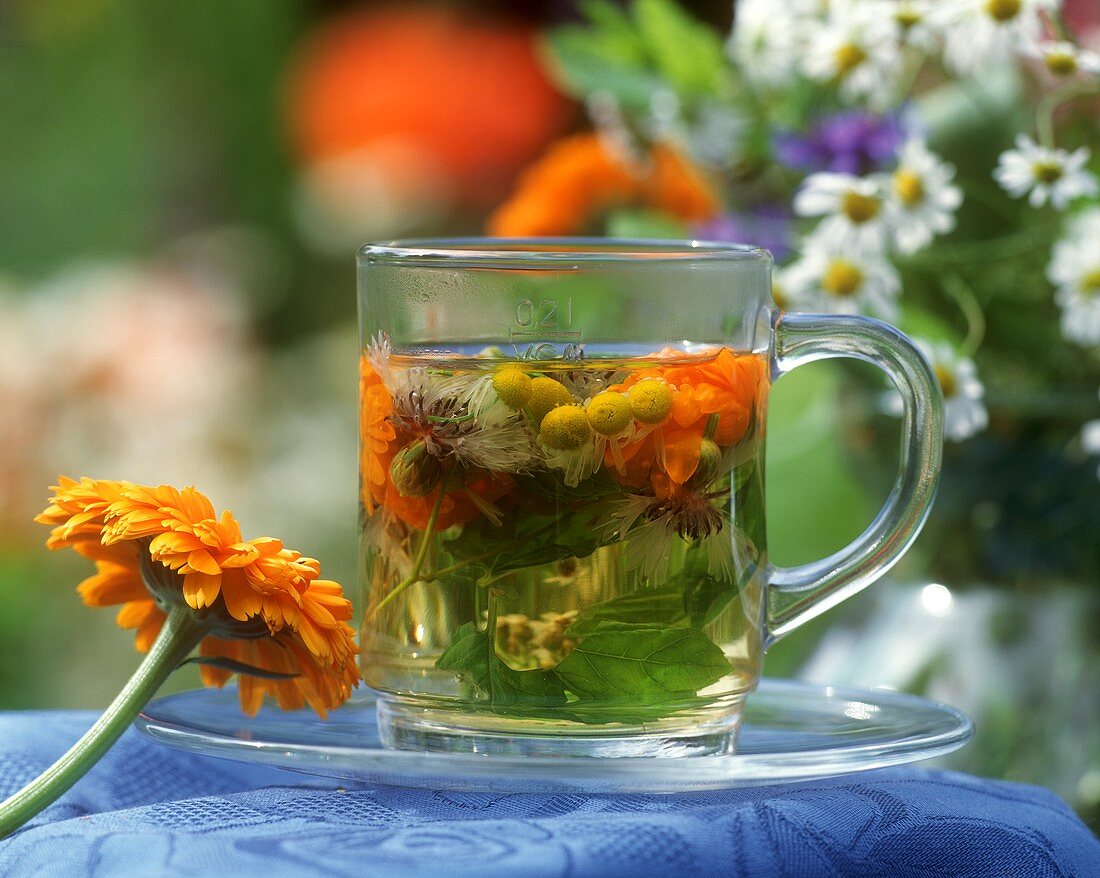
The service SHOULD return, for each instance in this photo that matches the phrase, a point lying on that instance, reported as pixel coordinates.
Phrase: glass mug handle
(798, 594)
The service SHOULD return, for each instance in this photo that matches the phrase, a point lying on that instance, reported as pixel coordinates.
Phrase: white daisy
(1075, 270)
(852, 207)
(1063, 59)
(1090, 440)
(764, 41)
(840, 282)
(915, 25)
(856, 47)
(978, 33)
(922, 199)
(1047, 174)
(964, 412)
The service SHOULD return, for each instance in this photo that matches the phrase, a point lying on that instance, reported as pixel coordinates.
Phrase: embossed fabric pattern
(146, 810)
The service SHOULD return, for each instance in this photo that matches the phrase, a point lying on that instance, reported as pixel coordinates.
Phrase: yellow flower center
(842, 278)
(1047, 172)
(1061, 63)
(948, 384)
(1003, 10)
(908, 187)
(546, 394)
(565, 428)
(847, 58)
(608, 413)
(1090, 283)
(650, 400)
(780, 298)
(513, 386)
(859, 208)
(906, 17)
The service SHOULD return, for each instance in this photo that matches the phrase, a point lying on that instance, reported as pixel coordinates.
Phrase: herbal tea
(573, 542)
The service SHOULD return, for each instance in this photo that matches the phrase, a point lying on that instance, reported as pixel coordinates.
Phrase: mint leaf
(602, 58)
(655, 606)
(468, 656)
(472, 655)
(686, 51)
(641, 664)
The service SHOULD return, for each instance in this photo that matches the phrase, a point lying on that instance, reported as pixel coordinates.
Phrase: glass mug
(561, 487)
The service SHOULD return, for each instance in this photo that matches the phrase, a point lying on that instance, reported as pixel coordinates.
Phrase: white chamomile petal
(922, 199)
(1074, 269)
(853, 210)
(836, 281)
(1044, 174)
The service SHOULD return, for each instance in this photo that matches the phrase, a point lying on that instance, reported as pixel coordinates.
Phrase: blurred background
(182, 189)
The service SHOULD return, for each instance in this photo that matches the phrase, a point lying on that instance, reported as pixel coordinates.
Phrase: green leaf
(511, 687)
(686, 51)
(472, 655)
(640, 664)
(653, 606)
(584, 62)
(468, 656)
(236, 667)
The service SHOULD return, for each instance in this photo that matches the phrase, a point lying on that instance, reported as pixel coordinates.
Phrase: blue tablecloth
(146, 810)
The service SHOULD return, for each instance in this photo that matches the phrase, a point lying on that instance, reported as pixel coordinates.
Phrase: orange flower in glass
(185, 578)
(581, 178)
(712, 400)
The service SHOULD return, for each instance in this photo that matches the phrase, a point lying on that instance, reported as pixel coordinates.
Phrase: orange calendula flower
(160, 550)
(580, 178)
(714, 399)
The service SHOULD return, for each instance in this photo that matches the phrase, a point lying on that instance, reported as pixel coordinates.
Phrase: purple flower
(848, 142)
(767, 226)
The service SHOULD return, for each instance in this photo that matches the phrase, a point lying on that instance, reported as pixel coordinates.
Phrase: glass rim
(510, 252)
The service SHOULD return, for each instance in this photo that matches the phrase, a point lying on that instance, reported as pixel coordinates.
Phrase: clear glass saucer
(792, 732)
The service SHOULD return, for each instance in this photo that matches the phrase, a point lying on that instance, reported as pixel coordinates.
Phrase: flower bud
(710, 463)
(414, 471)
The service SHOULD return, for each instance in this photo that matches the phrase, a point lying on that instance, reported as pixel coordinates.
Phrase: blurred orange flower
(413, 90)
(160, 548)
(725, 388)
(581, 178)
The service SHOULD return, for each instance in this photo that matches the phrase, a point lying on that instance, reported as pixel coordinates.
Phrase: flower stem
(181, 633)
(422, 553)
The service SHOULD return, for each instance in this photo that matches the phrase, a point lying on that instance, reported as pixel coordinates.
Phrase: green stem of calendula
(181, 633)
(421, 555)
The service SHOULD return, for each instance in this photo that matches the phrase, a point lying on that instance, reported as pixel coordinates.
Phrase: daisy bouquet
(931, 164)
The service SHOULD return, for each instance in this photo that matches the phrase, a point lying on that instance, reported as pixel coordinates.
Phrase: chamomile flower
(978, 33)
(1075, 270)
(854, 218)
(569, 443)
(964, 412)
(921, 200)
(856, 48)
(649, 525)
(841, 282)
(1090, 440)
(764, 41)
(1063, 59)
(915, 24)
(1044, 174)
